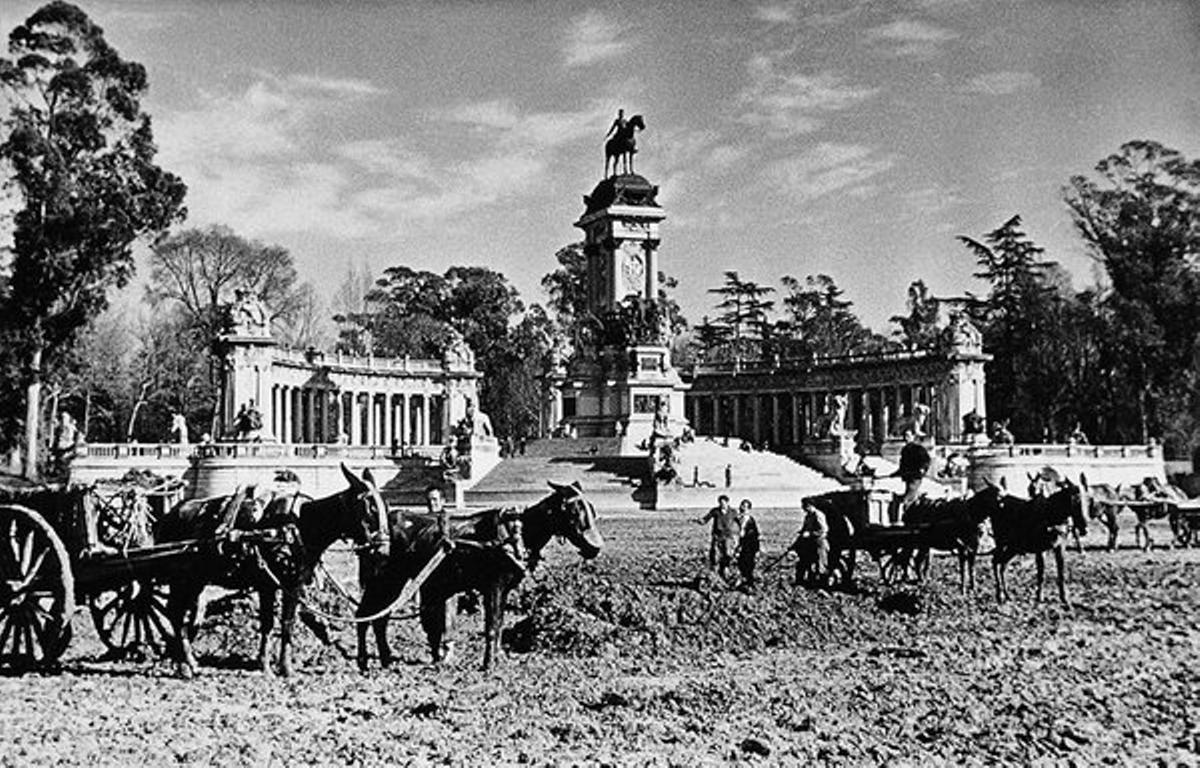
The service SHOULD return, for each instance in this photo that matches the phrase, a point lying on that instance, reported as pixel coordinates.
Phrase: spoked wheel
(132, 619)
(37, 590)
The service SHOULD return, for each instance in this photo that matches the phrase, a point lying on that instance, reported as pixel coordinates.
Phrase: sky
(854, 139)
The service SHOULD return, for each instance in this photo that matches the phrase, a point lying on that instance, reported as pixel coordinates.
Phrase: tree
(568, 290)
(202, 269)
(517, 363)
(418, 313)
(1021, 321)
(1141, 220)
(348, 300)
(195, 275)
(80, 152)
(310, 325)
(744, 310)
(918, 329)
(820, 322)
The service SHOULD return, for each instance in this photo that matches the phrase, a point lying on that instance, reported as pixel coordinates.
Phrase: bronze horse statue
(297, 531)
(491, 553)
(621, 148)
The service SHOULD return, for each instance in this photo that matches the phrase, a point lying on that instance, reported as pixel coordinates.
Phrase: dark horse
(952, 525)
(1035, 526)
(621, 148)
(492, 550)
(296, 532)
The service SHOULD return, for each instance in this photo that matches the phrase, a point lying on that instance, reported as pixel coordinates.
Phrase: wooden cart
(65, 547)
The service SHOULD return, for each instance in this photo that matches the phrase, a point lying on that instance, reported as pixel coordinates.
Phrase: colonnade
(795, 417)
(303, 414)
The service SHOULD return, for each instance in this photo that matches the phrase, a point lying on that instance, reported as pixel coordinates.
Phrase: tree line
(1119, 358)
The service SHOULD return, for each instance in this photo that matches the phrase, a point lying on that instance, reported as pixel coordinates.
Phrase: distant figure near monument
(621, 148)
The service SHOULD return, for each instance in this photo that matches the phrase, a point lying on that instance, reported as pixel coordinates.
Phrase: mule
(1036, 526)
(952, 525)
(287, 564)
(1149, 500)
(492, 551)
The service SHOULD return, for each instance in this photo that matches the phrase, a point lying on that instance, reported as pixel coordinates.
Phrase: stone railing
(1056, 450)
(1113, 464)
(365, 363)
(150, 451)
(800, 363)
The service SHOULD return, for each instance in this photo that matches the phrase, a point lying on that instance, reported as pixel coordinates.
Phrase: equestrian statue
(621, 148)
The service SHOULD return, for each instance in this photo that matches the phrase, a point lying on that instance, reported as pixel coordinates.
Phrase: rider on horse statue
(622, 146)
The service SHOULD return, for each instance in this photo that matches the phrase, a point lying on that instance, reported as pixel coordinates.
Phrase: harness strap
(406, 594)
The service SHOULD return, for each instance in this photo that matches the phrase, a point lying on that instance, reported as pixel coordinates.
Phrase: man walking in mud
(726, 529)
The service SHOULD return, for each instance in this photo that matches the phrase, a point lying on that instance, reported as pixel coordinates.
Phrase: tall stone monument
(620, 381)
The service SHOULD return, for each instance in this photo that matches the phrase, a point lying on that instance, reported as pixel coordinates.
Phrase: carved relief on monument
(633, 268)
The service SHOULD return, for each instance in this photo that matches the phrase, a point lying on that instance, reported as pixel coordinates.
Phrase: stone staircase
(620, 483)
(610, 481)
(708, 468)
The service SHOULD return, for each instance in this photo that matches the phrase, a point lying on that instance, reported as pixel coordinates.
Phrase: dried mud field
(640, 658)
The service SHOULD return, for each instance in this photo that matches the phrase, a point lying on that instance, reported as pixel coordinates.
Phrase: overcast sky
(788, 138)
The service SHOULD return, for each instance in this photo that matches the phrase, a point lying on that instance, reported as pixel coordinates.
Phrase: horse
(623, 146)
(952, 525)
(306, 527)
(491, 553)
(1035, 526)
(1149, 500)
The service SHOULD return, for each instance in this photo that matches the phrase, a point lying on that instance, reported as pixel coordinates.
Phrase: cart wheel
(132, 619)
(37, 590)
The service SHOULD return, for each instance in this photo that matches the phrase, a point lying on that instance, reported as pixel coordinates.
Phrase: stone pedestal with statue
(620, 381)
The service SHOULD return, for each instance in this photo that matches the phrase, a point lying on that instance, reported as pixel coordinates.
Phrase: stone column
(797, 415)
(425, 419)
(372, 428)
(651, 270)
(776, 431)
(405, 430)
(716, 415)
(281, 424)
(294, 408)
(885, 413)
(386, 419)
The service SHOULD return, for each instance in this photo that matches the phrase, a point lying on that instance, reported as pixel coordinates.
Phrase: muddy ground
(640, 659)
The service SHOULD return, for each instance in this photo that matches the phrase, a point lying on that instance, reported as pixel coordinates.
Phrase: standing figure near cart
(748, 545)
(914, 465)
(812, 548)
(726, 529)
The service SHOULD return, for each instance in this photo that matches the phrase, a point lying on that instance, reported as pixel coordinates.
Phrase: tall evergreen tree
(1019, 319)
(81, 154)
(820, 321)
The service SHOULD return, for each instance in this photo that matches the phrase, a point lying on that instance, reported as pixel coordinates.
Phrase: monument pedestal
(621, 383)
(621, 395)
